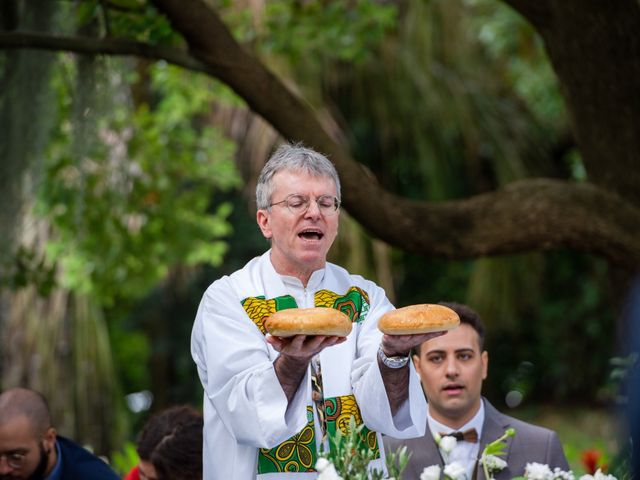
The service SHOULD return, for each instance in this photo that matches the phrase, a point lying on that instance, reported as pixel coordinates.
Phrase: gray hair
(297, 158)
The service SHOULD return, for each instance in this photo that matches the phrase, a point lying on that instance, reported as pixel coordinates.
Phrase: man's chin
(39, 472)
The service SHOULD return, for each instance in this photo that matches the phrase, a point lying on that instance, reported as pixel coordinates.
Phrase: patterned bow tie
(470, 435)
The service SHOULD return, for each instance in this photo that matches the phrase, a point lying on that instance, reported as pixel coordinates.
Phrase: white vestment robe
(250, 431)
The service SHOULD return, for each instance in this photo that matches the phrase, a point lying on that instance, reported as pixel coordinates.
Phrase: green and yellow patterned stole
(299, 453)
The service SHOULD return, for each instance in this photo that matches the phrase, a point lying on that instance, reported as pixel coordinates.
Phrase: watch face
(393, 362)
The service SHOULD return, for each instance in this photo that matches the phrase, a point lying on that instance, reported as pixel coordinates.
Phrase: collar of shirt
(299, 292)
(465, 453)
(56, 472)
(476, 422)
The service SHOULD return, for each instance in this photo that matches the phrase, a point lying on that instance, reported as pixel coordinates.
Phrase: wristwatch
(393, 362)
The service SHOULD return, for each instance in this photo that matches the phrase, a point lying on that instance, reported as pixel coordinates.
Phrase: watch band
(393, 362)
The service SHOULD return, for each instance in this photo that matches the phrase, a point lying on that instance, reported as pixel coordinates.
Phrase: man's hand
(295, 354)
(303, 346)
(400, 345)
(396, 380)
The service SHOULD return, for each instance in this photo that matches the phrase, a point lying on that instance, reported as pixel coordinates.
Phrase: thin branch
(120, 8)
(102, 46)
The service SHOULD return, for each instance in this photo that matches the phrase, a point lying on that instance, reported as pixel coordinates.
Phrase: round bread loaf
(308, 321)
(423, 318)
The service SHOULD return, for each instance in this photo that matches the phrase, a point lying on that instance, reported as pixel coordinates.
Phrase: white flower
(493, 463)
(329, 473)
(447, 443)
(598, 476)
(538, 471)
(322, 464)
(602, 476)
(327, 470)
(431, 473)
(455, 471)
(560, 474)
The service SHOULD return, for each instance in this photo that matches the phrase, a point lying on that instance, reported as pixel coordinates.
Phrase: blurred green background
(130, 189)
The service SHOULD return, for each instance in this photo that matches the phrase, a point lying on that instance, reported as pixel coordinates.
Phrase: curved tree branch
(97, 46)
(536, 214)
(540, 214)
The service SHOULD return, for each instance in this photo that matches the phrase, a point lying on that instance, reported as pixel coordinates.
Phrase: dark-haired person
(170, 446)
(631, 316)
(452, 368)
(30, 448)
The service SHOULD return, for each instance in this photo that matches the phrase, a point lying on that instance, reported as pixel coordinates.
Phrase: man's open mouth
(452, 387)
(311, 234)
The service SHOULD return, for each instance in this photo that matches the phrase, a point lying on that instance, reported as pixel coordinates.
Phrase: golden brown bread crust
(423, 318)
(308, 321)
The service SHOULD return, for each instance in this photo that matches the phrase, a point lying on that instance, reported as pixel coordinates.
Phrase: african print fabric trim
(299, 453)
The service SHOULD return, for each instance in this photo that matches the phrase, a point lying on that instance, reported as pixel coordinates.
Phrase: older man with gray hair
(269, 402)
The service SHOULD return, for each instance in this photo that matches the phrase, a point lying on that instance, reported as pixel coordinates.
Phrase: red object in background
(591, 461)
(134, 474)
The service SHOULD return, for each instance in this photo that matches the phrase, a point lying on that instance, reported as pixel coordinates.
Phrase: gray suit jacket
(530, 444)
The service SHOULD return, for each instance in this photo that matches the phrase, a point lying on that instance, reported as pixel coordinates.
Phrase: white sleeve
(411, 419)
(235, 366)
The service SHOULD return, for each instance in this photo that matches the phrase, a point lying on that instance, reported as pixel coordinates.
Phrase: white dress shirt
(465, 453)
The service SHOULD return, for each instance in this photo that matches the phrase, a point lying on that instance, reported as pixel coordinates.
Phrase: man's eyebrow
(13, 451)
(429, 352)
(458, 350)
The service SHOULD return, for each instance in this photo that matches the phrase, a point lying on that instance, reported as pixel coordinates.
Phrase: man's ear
(262, 217)
(49, 439)
(416, 362)
(485, 364)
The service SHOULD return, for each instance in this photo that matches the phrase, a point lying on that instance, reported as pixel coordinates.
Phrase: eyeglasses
(14, 459)
(299, 204)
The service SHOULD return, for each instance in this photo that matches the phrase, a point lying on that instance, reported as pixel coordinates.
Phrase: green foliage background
(441, 99)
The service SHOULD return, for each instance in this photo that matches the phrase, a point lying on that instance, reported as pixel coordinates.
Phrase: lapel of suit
(493, 428)
(424, 453)
(433, 456)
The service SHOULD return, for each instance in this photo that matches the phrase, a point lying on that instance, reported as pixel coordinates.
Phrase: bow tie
(470, 435)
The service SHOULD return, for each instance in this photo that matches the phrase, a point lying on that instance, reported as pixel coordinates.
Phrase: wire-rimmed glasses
(299, 204)
(14, 459)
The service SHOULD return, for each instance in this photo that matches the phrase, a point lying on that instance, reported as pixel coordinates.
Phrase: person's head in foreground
(170, 445)
(298, 201)
(452, 368)
(27, 439)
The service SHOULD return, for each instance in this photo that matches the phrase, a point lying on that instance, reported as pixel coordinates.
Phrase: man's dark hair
(467, 316)
(172, 442)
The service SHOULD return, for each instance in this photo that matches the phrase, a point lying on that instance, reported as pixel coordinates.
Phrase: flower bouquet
(348, 460)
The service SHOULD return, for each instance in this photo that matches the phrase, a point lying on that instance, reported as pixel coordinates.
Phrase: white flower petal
(538, 471)
(322, 463)
(448, 443)
(493, 463)
(431, 473)
(455, 471)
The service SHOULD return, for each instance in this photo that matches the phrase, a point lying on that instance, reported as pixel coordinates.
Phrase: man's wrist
(393, 361)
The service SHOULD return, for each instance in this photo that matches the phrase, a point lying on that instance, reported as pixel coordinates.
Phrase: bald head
(18, 402)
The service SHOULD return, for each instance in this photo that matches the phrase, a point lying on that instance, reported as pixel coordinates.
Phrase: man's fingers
(404, 343)
(303, 345)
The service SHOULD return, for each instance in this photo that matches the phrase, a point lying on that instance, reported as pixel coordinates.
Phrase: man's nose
(4, 465)
(452, 369)
(313, 210)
